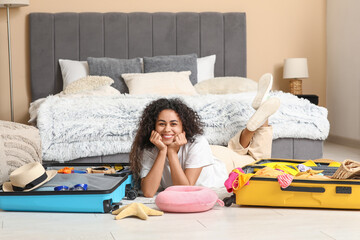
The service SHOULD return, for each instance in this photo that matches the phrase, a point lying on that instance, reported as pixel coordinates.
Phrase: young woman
(169, 149)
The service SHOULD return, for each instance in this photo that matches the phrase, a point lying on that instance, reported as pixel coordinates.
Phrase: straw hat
(349, 169)
(28, 177)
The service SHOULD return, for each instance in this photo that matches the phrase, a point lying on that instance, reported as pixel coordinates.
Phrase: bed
(77, 36)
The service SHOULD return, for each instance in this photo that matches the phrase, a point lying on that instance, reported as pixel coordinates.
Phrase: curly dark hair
(191, 122)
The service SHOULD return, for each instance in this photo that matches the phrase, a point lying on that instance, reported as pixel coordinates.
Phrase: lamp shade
(295, 68)
(14, 3)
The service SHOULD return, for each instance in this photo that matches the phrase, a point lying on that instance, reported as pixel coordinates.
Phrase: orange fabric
(311, 174)
(242, 179)
(269, 172)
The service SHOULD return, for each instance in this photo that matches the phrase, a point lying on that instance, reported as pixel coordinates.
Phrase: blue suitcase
(105, 200)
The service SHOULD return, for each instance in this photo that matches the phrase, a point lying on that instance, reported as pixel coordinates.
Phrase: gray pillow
(174, 63)
(113, 68)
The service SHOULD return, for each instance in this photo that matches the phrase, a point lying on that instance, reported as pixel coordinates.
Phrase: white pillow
(160, 83)
(88, 83)
(225, 85)
(73, 70)
(100, 91)
(205, 68)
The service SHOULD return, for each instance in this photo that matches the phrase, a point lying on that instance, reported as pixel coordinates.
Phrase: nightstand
(312, 98)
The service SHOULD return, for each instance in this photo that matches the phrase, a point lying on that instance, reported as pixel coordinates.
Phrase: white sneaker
(264, 87)
(265, 110)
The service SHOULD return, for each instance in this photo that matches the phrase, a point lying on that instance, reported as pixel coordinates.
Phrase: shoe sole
(264, 87)
(266, 109)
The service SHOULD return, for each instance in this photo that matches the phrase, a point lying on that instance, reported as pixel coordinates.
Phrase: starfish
(136, 209)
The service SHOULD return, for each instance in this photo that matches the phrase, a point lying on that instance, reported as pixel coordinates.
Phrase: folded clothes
(269, 172)
(334, 164)
(310, 163)
(231, 182)
(311, 174)
(286, 167)
(285, 172)
(237, 179)
(303, 168)
(285, 180)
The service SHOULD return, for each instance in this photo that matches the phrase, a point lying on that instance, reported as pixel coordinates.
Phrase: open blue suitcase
(94, 201)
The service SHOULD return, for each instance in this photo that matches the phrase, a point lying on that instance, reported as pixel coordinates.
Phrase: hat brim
(7, 186)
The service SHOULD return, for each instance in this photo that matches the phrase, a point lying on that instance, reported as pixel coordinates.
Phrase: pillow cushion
(92, 86)
(225, 85)
(19, 144)
(174, 63)
(87, 84)
(101, 91)
(161, 83)
(187, 199)
(72, 70)
(113, 68)
(205, 68)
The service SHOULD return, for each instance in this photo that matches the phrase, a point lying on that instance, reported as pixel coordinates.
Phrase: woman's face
(168, 125)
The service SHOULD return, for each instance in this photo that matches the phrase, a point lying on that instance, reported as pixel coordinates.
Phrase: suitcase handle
(304, 189)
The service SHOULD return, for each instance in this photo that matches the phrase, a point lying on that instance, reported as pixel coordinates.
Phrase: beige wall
(276, 29)
(343, 72)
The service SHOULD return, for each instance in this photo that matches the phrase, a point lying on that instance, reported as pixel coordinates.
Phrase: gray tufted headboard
(77, 36)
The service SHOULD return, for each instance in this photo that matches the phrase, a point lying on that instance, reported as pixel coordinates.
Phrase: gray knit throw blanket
(72, 128)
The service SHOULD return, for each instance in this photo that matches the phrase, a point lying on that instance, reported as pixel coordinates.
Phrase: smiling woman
(168, 149)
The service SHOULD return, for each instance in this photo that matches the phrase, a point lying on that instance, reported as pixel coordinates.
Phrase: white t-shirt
(191, 155)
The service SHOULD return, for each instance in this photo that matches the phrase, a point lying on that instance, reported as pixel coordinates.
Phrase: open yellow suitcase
(329, 193)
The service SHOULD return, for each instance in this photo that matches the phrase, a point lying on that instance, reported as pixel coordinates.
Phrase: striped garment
(285, 180)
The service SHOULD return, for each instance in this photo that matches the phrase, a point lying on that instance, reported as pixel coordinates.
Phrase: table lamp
(9, 4)
(295, 69)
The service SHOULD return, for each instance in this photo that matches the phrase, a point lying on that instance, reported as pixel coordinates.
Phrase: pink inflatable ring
(187, 199)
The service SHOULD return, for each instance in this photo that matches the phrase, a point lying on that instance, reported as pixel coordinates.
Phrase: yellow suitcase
(308, 193)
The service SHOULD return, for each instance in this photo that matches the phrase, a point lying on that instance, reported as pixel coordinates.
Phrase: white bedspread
(79, 127)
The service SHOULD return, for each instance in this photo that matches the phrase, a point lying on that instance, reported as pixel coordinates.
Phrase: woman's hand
(179, 140)
(155, 139)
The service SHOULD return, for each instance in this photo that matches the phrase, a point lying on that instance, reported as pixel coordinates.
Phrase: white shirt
(191, 155)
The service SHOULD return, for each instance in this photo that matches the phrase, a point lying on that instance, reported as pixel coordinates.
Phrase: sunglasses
(77, 187)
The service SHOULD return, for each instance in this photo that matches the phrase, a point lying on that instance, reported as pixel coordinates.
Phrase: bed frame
(77, 36)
